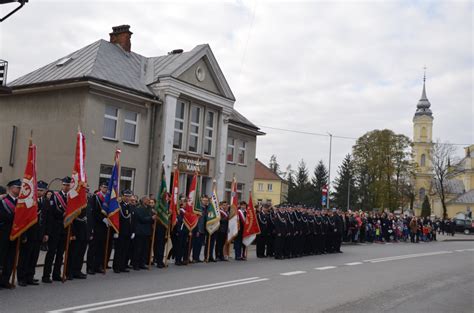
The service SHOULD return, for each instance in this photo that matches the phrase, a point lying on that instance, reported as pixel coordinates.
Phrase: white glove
(115, 235)
(133, 236)
(106, 221)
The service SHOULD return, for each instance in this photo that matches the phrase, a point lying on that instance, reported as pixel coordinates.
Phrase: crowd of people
(286, 231)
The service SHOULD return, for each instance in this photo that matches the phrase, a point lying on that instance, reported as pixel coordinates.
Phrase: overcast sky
(344, 67)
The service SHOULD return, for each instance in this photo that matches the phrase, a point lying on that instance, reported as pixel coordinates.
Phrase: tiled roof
(263, 172)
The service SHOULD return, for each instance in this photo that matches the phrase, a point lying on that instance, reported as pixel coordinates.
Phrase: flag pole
(152, 244)
(66, 253)
(15, 262)
(106, 254)
(208, 250)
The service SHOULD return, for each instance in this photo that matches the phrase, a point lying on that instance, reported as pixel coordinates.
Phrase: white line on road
(406, 256)
(323, 268)
(353, 263)
(169, 295)
(151, 295)
(292, 273)
(462, 250)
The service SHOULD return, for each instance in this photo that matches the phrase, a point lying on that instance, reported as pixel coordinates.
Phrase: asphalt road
(403, 277)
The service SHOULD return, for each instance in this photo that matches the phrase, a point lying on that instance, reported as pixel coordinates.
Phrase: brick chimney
(121, 35)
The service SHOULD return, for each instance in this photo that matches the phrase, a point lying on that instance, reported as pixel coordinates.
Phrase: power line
(341, 137)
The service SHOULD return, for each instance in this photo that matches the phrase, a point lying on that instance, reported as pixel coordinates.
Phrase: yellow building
(460, 180)
(268, 187)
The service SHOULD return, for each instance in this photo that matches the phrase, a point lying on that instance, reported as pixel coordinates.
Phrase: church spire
(423, 106)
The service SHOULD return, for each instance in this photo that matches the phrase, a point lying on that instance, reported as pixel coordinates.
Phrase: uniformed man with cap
(101, 224)
(78, 246)
(31, 242)
(123, 238)
(8, 247)
(55, 234)
(280, 230)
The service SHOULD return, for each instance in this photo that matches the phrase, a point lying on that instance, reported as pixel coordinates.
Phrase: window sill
(110, 139)
(130, 143)
(240, 164)
(229, 162)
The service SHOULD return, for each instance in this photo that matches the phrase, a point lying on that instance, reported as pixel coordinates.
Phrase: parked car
(465, 226)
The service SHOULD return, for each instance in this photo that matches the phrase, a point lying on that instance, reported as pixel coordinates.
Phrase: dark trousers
(9, 249)
(77, 250)
(198, 239)
(209, 250)
(337, 242)
(261, 243)
(320, 243)
(279, 246)
(140, 252)
(56, 245)
(122, 244)
(29, 253)
(181, 251)
(90, 255)
(100, 235)
(287, 249)
(221, 238)
(270, 250)
(238, 248)
(159, 244)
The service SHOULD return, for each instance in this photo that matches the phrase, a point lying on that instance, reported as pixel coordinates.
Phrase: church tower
(422, 147)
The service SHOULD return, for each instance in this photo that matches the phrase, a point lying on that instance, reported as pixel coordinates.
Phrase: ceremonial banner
(213, 214)
(111, 204)
(251, 227)
(77, 196)
(233, 228)
(190, 218)
(197, 199)
(26, 210)
(174, 207)
(162, 203)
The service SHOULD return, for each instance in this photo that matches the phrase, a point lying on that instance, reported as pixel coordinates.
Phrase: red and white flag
(26, 210)
(174, 207)
(77, 196)
(233, 228)
(251, 227)
(190, 217)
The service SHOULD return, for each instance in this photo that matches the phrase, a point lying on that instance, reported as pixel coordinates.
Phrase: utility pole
(329, 169)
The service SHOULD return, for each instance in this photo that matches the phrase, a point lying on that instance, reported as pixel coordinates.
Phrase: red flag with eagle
(251, 227)
(26, 210)
(77, 196)
(190, 217)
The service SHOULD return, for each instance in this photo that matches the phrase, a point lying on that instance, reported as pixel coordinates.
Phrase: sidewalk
(456, 237)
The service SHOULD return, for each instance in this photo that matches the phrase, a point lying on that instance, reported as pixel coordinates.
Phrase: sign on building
(190, 164)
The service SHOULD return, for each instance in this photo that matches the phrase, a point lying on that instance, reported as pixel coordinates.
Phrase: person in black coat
(221, 235)
(280, 229)
(261, 239)
(55, 234)
(199, 232)
(123, 238)
(8, 247)
(143, 232)
(31, 243)
(101, 225)
(77, 246)
(239, 248)
(181, 234)
(339, 226)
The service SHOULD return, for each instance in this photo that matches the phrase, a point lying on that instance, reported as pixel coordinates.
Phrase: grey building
(175, 110)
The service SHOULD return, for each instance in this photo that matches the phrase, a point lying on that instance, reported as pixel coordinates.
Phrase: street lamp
(329, 168)
(21, 2)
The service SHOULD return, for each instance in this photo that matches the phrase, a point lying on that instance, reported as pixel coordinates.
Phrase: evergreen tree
(290, 179)
(319, 180)
(426, 207)
(273, 165)
(302, 186)
(344, 184)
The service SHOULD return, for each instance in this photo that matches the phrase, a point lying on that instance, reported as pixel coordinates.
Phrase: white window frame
(213, 129)
(260, 187)
(111, 117)
(135, 123)
(233, 150)
(199, 125)
(244, 149)
(183, 120)
(270, 187)
(127, 178)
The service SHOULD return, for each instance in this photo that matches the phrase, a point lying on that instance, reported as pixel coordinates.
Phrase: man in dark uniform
(182, 234)
(222, 231)
(101, 225)
(31, 243)
(143, 230)
(326, 231)
(319, 232)
(123, 238)
(261, 239)
(77, 246)
(279, 223)
(199, 232)
(290, 233)
(55, 233)
(239, 248)
(270, 250)
(90, 234)
(339, 231)
(8, 247)
(160, 243)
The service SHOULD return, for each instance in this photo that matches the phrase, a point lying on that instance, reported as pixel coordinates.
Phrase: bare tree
(440, 157)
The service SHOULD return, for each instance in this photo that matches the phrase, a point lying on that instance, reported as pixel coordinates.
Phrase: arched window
(422, 193)
(423, 160)
(423, 132)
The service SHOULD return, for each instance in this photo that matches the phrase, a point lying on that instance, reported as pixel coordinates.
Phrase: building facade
(268, 187)
(459, 185)
(162, 112)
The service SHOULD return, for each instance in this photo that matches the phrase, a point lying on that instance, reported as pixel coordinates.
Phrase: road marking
(152, 294)
(292, 273)
(323, 268)
(406, 256)
(353, 263)
(462, 250)
(170, 295)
